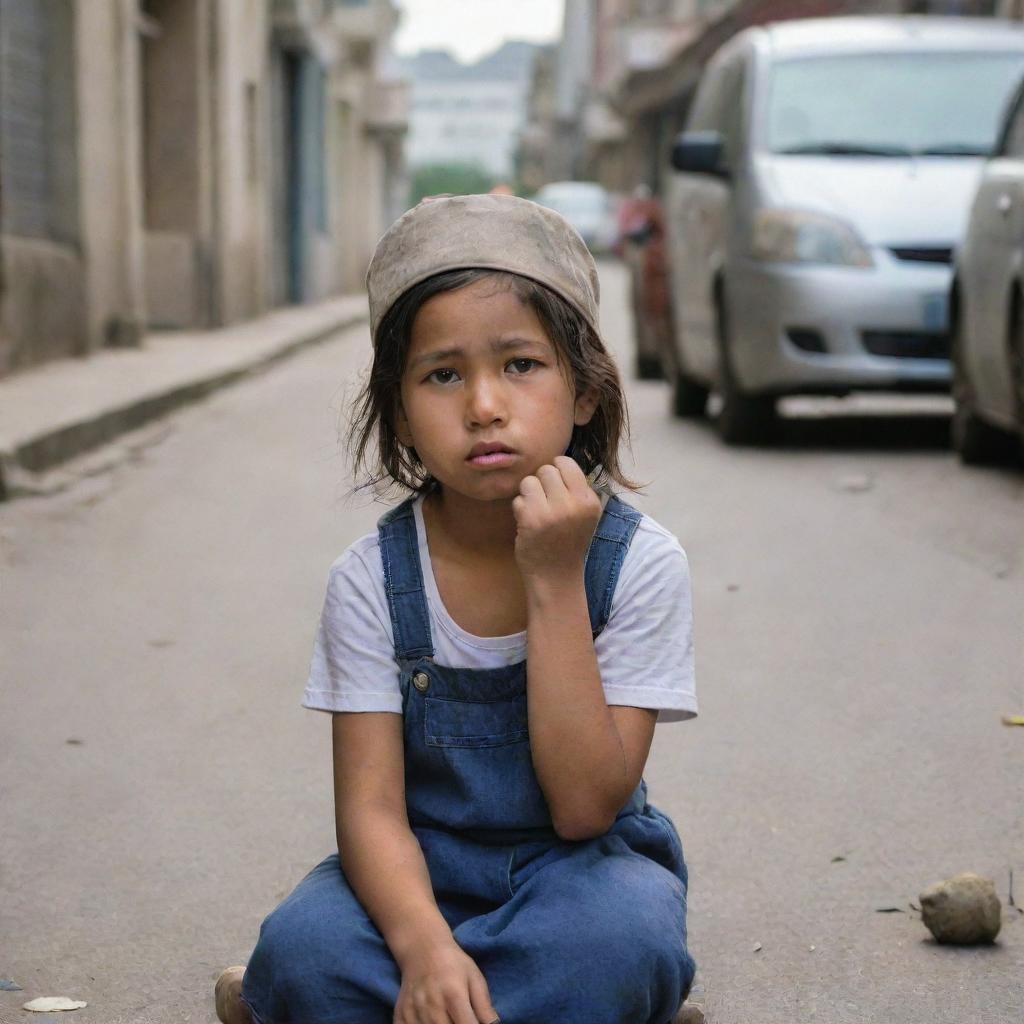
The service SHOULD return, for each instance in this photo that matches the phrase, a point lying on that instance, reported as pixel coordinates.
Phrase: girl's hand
(443, 986)
(556, 513)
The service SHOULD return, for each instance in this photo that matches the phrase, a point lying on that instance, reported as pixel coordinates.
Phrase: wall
(175, 134)
(148, 188)
(242, 161)
(42, 306)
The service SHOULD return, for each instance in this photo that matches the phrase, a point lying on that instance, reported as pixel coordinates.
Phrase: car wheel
(646, 361)
(648, 367)
(689, 399)
(744, 419)
(975, 441)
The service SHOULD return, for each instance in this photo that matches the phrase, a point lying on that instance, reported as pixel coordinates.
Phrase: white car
(987, 305)
(588, 207)
(828, 168)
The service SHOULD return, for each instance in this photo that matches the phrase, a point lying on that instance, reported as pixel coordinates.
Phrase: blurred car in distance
(588, 207)
(987, 305)
(828, 166)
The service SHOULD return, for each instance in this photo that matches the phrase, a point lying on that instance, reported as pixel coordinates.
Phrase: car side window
(1013, 138)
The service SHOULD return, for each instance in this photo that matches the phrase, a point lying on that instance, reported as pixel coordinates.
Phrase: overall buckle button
(421, 681)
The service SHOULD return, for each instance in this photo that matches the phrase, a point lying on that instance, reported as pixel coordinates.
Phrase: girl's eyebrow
(497, 346)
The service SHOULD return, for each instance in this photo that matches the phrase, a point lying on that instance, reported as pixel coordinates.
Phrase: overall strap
(604, 558)
(403, 583)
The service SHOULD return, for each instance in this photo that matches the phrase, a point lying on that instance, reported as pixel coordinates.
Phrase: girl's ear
(586, 406)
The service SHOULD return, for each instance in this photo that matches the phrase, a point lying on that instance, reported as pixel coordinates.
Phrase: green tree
(458, 179)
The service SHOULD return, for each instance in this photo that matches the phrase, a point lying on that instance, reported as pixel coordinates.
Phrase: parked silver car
(987, 305)
(828, 168)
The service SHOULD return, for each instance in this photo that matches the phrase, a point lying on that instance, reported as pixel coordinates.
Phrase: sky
(471, 28)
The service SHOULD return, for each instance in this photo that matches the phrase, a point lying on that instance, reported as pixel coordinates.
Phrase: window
(24, 120)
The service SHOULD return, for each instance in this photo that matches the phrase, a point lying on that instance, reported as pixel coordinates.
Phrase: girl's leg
(598, 935)
(320, 959)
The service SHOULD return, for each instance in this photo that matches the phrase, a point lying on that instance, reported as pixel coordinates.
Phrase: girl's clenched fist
(556, 513)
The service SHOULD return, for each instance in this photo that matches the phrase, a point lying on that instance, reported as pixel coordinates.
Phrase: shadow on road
(879, 432)
(875, 432)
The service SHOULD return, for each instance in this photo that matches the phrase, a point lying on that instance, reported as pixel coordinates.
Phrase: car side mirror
(700, 153)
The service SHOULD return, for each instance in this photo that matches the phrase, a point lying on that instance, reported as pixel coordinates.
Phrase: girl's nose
(484, 402)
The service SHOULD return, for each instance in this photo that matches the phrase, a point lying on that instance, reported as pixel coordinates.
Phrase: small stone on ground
(964, 910)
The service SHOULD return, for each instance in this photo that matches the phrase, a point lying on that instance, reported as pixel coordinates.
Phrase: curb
(24, 460)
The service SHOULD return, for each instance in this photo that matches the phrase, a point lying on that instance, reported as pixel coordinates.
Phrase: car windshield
(891, 104)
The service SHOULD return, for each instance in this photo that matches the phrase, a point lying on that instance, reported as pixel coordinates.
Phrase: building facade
(468, 113)
(536, 161)
(187, 163)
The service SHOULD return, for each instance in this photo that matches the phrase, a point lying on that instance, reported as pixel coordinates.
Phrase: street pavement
(859, 603)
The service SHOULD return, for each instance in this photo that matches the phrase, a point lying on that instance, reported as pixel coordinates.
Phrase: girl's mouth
(490, 453)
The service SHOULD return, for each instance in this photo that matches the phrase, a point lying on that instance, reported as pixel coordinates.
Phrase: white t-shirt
(644, 653)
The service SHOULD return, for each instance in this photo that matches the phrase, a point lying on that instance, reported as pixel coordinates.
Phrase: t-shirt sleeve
(645, 652)
(353, 666)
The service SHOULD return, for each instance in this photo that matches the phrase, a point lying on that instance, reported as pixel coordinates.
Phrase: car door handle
(1003, 204)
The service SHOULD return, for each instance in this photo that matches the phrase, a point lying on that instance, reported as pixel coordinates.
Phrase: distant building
(468, 113)
(536, 160)
(187, 163)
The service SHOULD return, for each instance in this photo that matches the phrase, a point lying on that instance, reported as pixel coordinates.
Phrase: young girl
(495, 657)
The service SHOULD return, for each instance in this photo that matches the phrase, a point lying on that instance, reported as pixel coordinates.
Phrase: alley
(859, 600)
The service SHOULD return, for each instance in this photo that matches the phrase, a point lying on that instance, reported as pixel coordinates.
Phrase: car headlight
(796, 236)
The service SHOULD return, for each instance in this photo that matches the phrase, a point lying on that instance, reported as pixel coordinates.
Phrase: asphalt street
(859, 609)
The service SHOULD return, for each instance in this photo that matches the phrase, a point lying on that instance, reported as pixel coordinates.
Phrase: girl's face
(485, 401)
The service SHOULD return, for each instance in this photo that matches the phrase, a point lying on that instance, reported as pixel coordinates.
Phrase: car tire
(689, 399)
(976, 442)
(646, 361)
(648, 367)
(744, 418)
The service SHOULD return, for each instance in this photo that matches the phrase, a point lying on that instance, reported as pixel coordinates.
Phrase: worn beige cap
(492, 232)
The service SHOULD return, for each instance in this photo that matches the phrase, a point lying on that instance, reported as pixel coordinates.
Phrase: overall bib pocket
(470, 723)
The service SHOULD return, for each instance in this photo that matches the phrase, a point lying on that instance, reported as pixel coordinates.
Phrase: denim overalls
(590, 932)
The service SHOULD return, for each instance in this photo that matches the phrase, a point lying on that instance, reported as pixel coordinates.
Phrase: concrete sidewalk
(65, 408)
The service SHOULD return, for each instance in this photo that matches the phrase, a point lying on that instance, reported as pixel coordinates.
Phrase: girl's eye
(443, 376)
(523, 365)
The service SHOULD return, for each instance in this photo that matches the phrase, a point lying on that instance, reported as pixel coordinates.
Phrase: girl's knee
(641, 915)
(306, 969)
(318, 941)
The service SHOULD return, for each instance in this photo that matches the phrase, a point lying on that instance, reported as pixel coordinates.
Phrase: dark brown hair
(580, 351)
